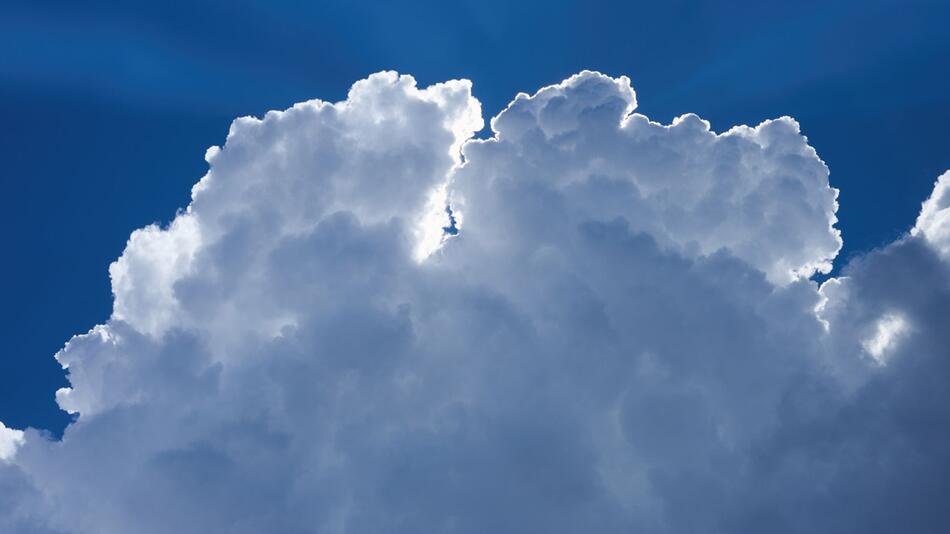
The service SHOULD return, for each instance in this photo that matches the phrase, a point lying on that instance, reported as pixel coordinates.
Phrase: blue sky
(618, 338)
(109, 107)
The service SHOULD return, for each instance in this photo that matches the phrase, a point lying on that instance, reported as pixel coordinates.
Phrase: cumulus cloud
(622, 336)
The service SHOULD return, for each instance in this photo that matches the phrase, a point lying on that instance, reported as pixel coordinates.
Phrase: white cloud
(621, 338)
(10, 440)
(934, 220)
(762, 193)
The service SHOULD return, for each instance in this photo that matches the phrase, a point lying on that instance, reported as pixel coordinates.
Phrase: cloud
(622, 336)
(10, 439)
(934, 220)
(761, 193)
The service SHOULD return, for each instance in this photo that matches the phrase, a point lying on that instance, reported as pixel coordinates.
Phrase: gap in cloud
(452, 229)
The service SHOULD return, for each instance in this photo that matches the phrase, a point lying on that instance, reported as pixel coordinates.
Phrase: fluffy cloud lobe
(621, 337)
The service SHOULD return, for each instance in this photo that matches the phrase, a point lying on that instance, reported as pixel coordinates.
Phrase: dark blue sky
(109, 107)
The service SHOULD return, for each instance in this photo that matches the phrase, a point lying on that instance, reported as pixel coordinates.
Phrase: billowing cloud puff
(761, 193)
(10, 439)
(621, 337)
(934, 220)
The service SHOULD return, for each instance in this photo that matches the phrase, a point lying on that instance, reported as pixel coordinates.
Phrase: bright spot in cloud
(887, 332)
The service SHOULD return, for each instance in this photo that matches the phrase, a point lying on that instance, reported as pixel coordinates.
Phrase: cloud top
(762, 193)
